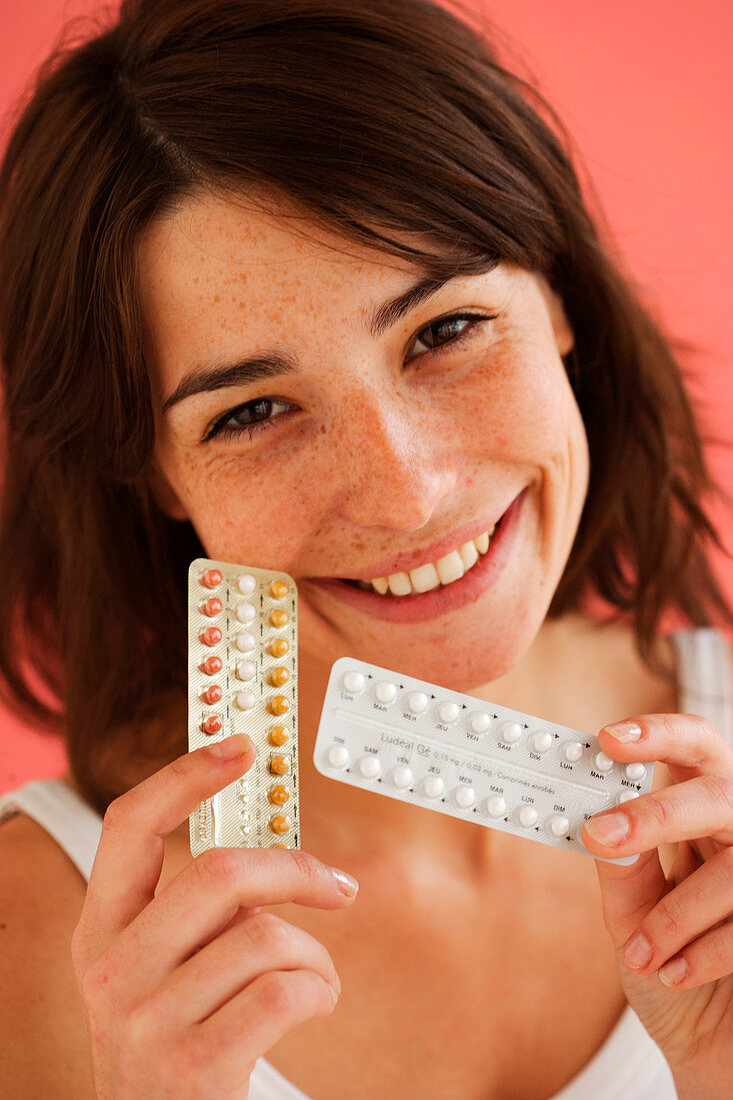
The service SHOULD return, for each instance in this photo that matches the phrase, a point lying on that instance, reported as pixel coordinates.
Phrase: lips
(421, 607)
(405, 563)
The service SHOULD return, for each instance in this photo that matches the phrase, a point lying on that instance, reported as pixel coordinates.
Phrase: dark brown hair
(392, 115)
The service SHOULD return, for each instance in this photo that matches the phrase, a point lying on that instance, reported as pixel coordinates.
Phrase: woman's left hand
(674, 936)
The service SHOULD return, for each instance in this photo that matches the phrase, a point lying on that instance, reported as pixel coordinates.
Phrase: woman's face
(365, 454)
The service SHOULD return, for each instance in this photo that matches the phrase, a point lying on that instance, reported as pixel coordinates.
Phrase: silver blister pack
(445, 751)
(243, 678)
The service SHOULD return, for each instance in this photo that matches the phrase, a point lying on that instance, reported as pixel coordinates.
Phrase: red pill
(212, 695)
(212, 724)
(212, 579)
(212, 606)
(212, 665)
(211, 636)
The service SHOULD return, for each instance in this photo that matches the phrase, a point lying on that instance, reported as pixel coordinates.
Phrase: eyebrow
(271, 364)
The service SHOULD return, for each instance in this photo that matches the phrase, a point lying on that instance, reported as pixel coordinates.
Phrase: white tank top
(629, 1065)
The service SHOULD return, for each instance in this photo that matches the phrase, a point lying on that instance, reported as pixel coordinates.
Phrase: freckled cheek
(262, 513)
(522, 407)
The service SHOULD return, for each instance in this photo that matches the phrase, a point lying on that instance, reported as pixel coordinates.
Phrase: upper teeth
(426, 577)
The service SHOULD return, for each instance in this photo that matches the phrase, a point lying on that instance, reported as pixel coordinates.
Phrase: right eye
(252, 416)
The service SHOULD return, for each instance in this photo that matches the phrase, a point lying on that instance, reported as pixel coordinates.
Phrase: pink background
(643, 88)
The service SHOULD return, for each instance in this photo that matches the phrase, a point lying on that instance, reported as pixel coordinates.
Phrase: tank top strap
(74, 825)
(705, 676)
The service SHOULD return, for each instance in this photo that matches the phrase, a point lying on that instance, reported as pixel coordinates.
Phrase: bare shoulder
(41, 898)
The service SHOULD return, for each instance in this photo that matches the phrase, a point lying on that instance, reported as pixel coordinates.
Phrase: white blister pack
(445, 751)
(243, 678)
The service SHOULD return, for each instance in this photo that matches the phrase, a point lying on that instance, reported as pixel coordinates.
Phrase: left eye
(257, 414)
(446, 323)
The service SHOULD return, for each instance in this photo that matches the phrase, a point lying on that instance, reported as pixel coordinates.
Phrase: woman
(310, 286)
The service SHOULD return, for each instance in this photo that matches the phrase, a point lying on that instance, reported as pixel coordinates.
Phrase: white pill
(245, 612)
(572, 751)
(527, 816)
(480, 722)
(246, 670)
(369, 766)
(559, 825)
(246, 642)
(417, 701)
(635, 771)
(246, 584)
(602, 763)
(511, 732)
(465, 797)
(541, 742)
(353, 682)
(385, 692)
(496, 806)
(448, 712)
(402, 778)
(434, 786)
(245, 700)
(338, 756)
(626, 795)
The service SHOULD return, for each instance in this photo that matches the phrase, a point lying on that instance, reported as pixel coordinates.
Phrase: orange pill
(278, 735)
(278, 647)
(211, 636)
(280, 824)
(212, 695)
(212, 606)
(279, 676)
(279, 845)
(279, 765)
(279, 618)
(278, 705)
(212, 578)
(212, 665)
(279, 795)
(278, 589)
(211, 724)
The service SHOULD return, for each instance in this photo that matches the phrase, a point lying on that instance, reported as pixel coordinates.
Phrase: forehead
(248, 257)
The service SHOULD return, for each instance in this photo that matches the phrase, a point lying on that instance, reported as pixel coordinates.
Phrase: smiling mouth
(431, 575)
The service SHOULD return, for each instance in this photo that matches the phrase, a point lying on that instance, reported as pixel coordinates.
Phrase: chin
(458, 655)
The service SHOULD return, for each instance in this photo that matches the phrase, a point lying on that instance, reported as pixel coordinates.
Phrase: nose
(396, 469)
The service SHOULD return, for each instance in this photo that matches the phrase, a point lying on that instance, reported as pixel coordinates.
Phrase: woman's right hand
(185, 990)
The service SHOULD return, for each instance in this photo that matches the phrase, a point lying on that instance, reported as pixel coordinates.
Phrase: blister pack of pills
(243, 678)
(445, 751)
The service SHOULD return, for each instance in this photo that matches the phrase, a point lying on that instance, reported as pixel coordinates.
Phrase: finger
(681, 741)
(256, 1019)
(708, 959)
(703, 900)
(205, 982)
(129, 857)
(628, 893)
(704, 848)
(699, 807)
(203, 898)
(686, 861)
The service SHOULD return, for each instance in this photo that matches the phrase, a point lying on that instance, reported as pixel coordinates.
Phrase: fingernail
(673, 971)
(624, 731)
(611, 829)
(335, 994)
(231, 747)
(346, 884)
(638, 951)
